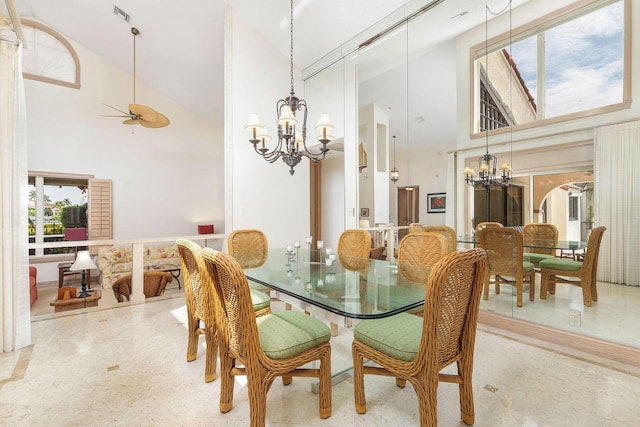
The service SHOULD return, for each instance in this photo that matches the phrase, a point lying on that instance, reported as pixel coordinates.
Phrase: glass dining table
(338, 287)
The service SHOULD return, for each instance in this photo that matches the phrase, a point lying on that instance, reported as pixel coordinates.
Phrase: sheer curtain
(15, 323)
(617, 201)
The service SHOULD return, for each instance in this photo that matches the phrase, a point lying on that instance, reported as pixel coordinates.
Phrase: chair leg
(257, 388)
(544, 277)
(486, 289)
(518, 286)
(466, 392)
(358, 380)
(532, 286)
(192, 341)
(586, 293)
(325, 385)
(427, 401)
(212, 355)
(226, 382)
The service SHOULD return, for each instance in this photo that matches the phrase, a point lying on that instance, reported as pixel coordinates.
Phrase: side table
(63, 271)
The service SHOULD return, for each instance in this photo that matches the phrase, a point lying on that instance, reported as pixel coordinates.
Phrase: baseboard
(590, 345)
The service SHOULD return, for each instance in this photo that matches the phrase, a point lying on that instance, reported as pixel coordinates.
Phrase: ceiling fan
(138, 113)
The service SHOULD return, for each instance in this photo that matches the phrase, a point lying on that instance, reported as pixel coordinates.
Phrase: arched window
(49, 57)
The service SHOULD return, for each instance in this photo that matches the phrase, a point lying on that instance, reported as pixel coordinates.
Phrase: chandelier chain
(291, 48)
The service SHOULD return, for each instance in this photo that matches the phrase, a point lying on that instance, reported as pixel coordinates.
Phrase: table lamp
(83, 262)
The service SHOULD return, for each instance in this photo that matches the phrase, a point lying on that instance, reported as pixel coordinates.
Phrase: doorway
(408, 207)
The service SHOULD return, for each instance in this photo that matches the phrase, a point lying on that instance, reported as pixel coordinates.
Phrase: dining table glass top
(360, 288)
(568, 245)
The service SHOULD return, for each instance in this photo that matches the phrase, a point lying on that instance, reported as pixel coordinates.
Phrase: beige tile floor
(126, 366)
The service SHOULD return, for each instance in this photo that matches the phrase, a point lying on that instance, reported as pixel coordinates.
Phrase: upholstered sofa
(116, 262)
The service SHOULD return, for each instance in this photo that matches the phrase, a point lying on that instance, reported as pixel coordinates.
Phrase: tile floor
(126, 366)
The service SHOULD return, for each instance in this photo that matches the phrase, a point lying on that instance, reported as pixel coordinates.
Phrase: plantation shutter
(100, 213)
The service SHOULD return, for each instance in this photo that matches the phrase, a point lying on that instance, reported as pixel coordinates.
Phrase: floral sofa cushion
(116, 262)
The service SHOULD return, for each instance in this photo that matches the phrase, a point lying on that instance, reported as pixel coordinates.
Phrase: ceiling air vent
(121, 13)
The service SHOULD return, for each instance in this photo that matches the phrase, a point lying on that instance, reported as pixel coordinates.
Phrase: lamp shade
(263, 135)
(324, 122)
(364, 223)
(253, 123)
(83, 262)
(287, 117)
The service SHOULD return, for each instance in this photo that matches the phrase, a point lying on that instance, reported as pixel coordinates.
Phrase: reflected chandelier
(486, 176)
(292, 135)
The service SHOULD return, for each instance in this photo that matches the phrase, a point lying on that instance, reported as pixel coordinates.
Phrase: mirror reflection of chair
(578, 273)
(416, 227)
(487, 224)
(154, 284)
(448, 232)
(416, 349)
(278, 344)
(541, 239)
(504, 247)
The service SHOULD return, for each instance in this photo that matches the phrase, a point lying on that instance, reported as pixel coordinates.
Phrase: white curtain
(617, 201)
(15, 324)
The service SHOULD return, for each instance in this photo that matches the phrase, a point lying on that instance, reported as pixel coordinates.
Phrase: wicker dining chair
(249, 247)
(448, 232)
(275, 345)
(416, 227)
(200, 313)
(154, 284)
(544, 237)
(504, 247)
(415, 349)
(418, 251)
(582, 273)
(483, 225)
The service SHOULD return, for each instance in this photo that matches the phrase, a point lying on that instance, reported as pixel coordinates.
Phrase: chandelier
(486, 176)
(394, 171)
(292, 134)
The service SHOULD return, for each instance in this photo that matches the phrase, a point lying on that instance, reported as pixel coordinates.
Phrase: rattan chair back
(541, 235)
(416, 227)
(354, 248)
(239, 340)
(154, 284)
(249, 247)
(200, 311)
(448, 232)
(418, 252)
(452, 301)
(505, 252)
(488, 224)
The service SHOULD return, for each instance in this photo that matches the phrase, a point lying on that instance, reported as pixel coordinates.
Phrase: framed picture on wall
(364, 212)
(436, 202)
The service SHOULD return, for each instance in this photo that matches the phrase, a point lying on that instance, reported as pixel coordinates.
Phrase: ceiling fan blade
(111, 115)
(128, 114)
(160, 123)
(143, 112)
(131, 122)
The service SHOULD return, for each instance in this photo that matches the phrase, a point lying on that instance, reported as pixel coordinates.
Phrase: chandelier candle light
(292, 135)
(487, 163)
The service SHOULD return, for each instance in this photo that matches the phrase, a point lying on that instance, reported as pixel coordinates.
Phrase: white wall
(333, 200)
(259, 194)
(165, 181)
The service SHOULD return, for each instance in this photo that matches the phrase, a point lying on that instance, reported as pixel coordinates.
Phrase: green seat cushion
(561, 264)
(396, 336)
(289, 333)
(259, 300)
(536, 258)
(527, 266)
